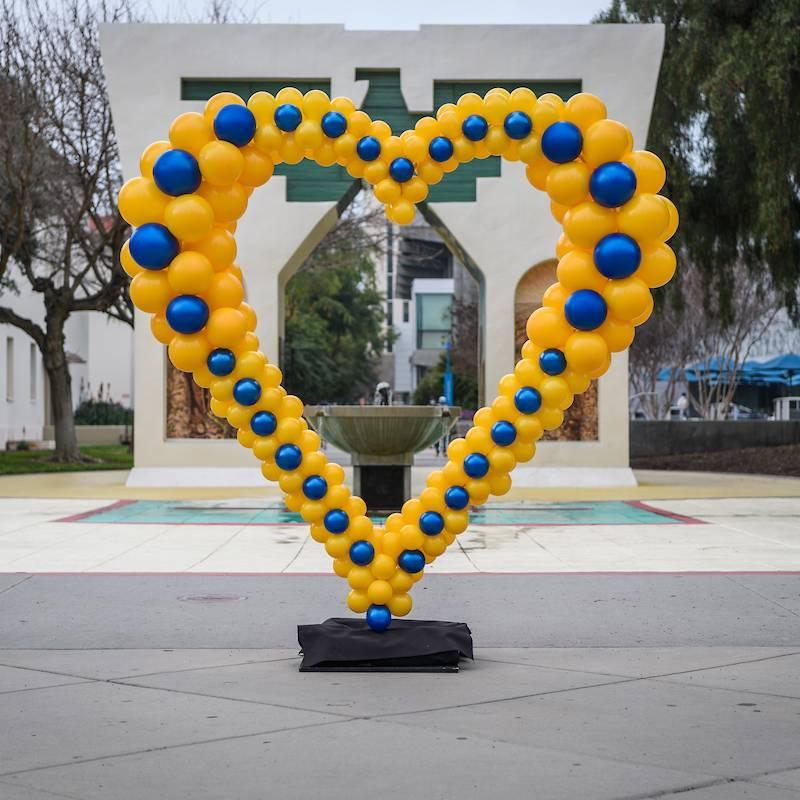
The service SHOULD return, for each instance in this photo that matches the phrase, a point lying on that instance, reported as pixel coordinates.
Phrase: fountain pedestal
(382, 441)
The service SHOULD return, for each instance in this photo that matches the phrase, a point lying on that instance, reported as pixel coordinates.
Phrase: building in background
(424, 282)
(99, 352)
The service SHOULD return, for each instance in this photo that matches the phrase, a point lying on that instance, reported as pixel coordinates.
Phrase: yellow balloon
(219, 101)
(645, 315)
(189, 272)
(617, 334)
(160, 328)
(140, 201)
(576, 270)
(584, 110)
(219, 247)
(547, 327)
(150, 156)
(379, 592)
(501, 460)
(224, 290)
(188, 352)
(191, 132)
(587, 223)
(228, 203)
(586, 352)
(262, 104)
(258, 167)
(400, 604)
(150, 291)
(221, 163)
(127, 262)
(225, 327)
(649, 170)
(657, 266)
(359, 577)
(627, 298)
(568, 184)
(605, 140)
(645, 218)
(357, 601)
(190, 217)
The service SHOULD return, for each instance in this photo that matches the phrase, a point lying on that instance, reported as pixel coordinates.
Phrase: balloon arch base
(349, 645)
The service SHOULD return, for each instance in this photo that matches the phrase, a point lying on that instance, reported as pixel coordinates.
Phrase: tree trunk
(57, 368)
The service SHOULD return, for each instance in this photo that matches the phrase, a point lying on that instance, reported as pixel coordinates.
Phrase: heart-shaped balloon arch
(182, 254)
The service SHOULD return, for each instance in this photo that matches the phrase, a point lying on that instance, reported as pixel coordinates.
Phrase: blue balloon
(334, 124)
(518, 125)
(289, 457)
(401, 169)
(263, 423)
(617, 255)
(562, 142)
(475, 127)
(431, 523)
(315, 487)
(527, 400)
(585, 310)
(247, 392)
(379, 618)
(440, 148)
(362, 553)
(336, 520)
(221, 362)
(411, 561)
(552, 361)
(287, 117)
(235, 124)
(612, 184)
(456, 497)
(176, 172)
(153, 246)
(503, 433)
(187, 314)
(476, 465)
(368, 148)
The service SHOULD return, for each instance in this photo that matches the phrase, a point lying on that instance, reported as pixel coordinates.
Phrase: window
(33, 373)
(10, 369)
(433, 320)
(405, 310)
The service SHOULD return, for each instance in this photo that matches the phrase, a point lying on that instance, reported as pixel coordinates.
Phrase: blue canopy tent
(760, 382)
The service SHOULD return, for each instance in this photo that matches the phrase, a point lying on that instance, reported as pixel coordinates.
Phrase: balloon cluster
(182, 259)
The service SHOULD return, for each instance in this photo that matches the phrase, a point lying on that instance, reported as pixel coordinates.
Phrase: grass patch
(25, 462)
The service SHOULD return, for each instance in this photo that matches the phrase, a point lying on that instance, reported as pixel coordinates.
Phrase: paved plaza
(638, 644)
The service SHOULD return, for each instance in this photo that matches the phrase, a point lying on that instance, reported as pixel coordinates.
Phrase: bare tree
(692, 333)
(60, 230)
(723, 343)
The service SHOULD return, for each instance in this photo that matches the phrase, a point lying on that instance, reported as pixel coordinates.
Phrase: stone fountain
(382, 441)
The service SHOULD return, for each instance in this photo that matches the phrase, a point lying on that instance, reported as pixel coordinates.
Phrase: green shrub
(102, 412)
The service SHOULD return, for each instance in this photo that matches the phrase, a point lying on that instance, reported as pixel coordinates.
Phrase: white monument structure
(492, 215)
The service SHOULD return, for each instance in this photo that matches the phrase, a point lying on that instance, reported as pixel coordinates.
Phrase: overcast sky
(399, 14)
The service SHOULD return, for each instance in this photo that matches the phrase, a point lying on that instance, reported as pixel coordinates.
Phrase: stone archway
(580, 420)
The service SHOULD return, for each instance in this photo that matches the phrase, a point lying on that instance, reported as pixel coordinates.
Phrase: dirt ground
(784, 460)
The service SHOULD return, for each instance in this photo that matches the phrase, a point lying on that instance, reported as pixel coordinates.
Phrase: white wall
(21, 414)
(506, 231)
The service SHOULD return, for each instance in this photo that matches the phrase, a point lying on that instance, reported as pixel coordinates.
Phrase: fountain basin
(382, 441)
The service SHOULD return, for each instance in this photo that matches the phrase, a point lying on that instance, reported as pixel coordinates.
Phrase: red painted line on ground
(661, 513)
(93, 512)
(482, 572)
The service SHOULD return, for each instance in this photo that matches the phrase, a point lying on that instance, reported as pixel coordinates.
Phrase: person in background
(683, 406)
